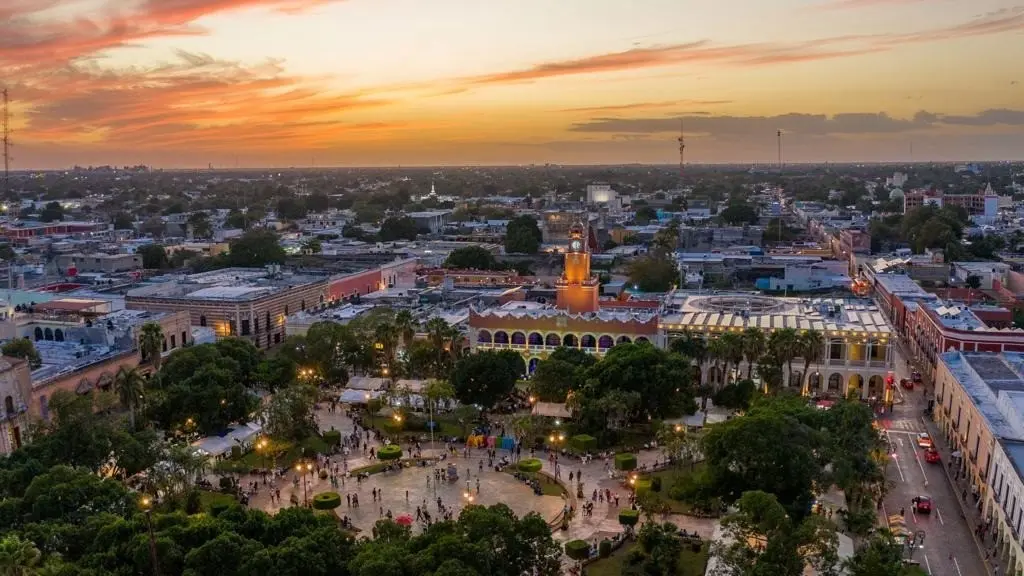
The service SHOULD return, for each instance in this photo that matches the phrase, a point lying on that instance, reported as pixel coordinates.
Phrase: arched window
(48, 334)
(588, 341)
(58, 335)
(553, 340)
(9, 404)
(184, 337)
(518, 338)
(623, 340)
(303, 305)
(38, 333)
(269, 328)
(536, 339)
(501, 337)
(642, 340)
(605, 342)
(483, 337)
(202, 321)
(570, 341)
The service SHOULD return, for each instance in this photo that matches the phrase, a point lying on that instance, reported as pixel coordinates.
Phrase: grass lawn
(690, 563)
(209, 499)
(447, 426)
(287, 453)
(548, 486)
(667, 478)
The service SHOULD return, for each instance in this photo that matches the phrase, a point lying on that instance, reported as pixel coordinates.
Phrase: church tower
(577, 288)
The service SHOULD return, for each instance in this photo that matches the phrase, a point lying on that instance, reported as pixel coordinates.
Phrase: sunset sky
(255, 83)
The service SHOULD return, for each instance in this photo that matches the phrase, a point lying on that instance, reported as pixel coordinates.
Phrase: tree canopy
(472, 258)
(487, 377)
(523, 236)
(255, 248)
(398, 228)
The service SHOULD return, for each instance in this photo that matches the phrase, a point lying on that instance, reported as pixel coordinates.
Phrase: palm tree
(130, 387)
(18, 557)
(812, 350)
(716, 353)
(732, 349)
(447, 341)
(386, 334)
(694, 347)
(406, 326)
(784, 346)
(753, 348)
(151, 343)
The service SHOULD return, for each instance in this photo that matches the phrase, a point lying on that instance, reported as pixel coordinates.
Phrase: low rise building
(15, 389)
(99, 262)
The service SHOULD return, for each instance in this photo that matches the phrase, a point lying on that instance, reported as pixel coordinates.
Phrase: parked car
(922, 504)
(924, 440)
(931, 456)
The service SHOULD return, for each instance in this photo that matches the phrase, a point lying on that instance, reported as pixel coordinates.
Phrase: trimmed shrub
(332, 437)
(530, 465)
(577, 549)
(629, 517)
(193, 503)
(326, 501)
(625, 461)
(583, 442)
(323, 473)
(236, 452)
(389, 452)
(656, 483)
(218, 508)
(374, 405)
(604, 549)
(641, 486)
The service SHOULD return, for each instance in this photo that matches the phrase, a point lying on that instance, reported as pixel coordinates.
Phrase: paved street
(949, 547)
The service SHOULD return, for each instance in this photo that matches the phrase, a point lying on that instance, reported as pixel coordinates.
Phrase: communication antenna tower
(682, 151)
(779, 148)
(5, 133)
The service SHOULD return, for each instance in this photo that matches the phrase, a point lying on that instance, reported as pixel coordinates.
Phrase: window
(245, 327)
(202, 321)
(172, 342)
(256, 324)
(165, 345)
(9, 404)
(184, 338)
(267, 323)
(277, 338)
(303, 305)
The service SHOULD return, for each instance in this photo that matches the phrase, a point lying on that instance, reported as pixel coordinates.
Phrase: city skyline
(249, 83)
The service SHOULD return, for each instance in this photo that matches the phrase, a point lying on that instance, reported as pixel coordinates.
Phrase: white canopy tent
(240, 435)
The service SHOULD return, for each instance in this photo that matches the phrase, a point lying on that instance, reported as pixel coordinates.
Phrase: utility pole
(5, 133)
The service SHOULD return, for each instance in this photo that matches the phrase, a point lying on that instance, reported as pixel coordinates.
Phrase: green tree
(881, 556)
(644, 215)
(523, 236)
(318, 202)
(199, 222)
(811, 347)
(291, 208)
(471, 258)
(153, 256)
(23, 348)
(484, 378)
(784, 346)
(151, 342)
(738, 213)
(405, 324)
(123, 221)
(973, 282)
(754, 347)
(312, 246)
(772, 448)
(276, 372)
(398, 228)
(53, 211)
(18, 557)
(289, 413)
(653, 273)
(559, 373)
(762, 539)
(130, 387)
(256, 248)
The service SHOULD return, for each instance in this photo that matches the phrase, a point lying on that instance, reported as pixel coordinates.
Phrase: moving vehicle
(922, 504)
(931, 456)
(924, 440)
(916, 377)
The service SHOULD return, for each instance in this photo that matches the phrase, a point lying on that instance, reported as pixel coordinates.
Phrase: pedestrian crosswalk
(902, 425)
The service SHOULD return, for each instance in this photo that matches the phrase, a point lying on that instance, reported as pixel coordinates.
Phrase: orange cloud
(647, 106)
(756, 54)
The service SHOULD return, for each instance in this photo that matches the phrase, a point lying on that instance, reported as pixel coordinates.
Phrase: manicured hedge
(326, 501)
(583, 442)
(332, 437)
(604, 549)
(577, 549)
(625, 461)
(389, 452)
(629, 517)
(530, 465)
(641, 486)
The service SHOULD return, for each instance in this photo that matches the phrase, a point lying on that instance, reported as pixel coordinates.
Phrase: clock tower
(577, 288)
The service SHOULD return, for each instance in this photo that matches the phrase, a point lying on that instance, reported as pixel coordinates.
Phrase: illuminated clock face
(575, 245)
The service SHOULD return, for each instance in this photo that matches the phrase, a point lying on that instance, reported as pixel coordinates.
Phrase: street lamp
(261, 446)
(301, 470)
(147, 506)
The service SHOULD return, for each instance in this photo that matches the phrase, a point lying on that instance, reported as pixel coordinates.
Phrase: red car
(931, 456)
(922, 504)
